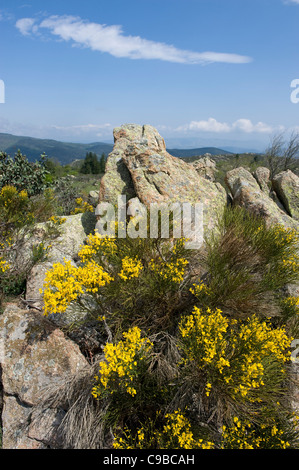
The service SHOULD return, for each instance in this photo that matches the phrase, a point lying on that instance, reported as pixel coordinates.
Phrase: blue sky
(203, 72)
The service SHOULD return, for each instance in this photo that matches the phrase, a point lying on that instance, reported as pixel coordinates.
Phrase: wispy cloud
(212, 125)
(84, 130)
(112, 40)
(27, 26)
(83, 127)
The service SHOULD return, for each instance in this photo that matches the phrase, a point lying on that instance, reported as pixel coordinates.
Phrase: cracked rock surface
(33, 355)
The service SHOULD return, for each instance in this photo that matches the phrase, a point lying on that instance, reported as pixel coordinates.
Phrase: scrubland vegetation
(197, 343)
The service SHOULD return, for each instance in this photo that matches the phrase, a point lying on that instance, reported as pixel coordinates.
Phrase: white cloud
(112, 40)
(26, 26)
(83, 127)
(212, 125)
(292, 1)
(247, 126)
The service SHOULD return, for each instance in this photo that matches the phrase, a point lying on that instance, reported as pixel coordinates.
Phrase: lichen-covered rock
(262, 176)
(34, 354)
(286, 186)
(247, 193)
(93, 197)
(140, 166)
(117, 179)
(205, 167)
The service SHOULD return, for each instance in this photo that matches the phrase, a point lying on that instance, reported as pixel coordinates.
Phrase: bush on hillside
(192, 358)
(19, 215)
(22, 174)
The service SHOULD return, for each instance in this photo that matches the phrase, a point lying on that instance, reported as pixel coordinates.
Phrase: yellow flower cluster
(179, 433)
(199, 289)
(130, 268)
(243, 435)
(92, 277)
(176, 433)
(120, 366)
(292, 302)
(291, 263)
(82, 207)
(179, 245)
(96, 244)
(10, 193)
(65, 282)
(172, 271)
(206, 338)
(283, 236)
(271, 341)
(57, 220)
(4, 266)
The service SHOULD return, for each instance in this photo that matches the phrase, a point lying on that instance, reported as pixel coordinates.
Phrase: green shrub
(22, 174)
(188, 351)
(19, 214)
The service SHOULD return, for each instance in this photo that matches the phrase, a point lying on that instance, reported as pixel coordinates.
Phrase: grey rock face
(33, 355)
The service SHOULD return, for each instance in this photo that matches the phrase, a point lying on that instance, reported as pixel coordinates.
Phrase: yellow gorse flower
(209, 339)
(120, 367)
(176, 433)
(171, 271)
(130, 268)
(199, 289)
(57, 220)
(65, 282)
(4, 266)
(179, 433)
(82, 207)
(97, 245)
(243, 435)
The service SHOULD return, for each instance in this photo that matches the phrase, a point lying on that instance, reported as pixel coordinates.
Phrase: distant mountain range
(66, 152)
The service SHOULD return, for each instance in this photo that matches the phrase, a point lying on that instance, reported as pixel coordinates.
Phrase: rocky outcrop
(139, 166)
(205, 167)
(286, 186)
(33, 355)
(247, 193)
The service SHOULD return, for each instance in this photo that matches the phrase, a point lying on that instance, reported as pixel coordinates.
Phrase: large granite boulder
(247, 193)
(286, 186)
(139, 166)
(34, 355)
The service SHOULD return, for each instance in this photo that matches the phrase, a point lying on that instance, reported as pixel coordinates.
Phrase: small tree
(281, 154)
(102, 163)
(237, 159)
(91, 164)
(22, 174)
